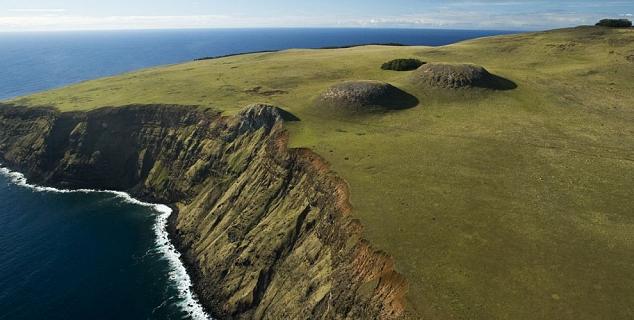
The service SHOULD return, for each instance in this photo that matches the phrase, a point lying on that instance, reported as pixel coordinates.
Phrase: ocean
(87, 254)
(103, 255)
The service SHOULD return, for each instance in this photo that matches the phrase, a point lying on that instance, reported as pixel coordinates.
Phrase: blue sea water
(88, 255)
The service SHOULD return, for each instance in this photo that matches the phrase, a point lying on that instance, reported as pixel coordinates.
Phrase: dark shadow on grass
(399, 100)
(287, 116)
(496, 82)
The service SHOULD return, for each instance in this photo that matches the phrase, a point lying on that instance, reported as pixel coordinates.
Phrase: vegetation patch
(566, 46)
(455, 76)
(258, 90)
(365, 97)
(385, 44)
(233, 55)
(402, 64)
(615, 23)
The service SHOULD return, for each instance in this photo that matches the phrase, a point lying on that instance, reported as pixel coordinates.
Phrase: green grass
(510, 204)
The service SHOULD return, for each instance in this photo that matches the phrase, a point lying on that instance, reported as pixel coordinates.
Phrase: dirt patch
(566, 46)
(265, 92)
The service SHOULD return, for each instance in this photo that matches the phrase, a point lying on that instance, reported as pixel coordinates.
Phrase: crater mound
(402, 64)
(456, 76)
(365, 96)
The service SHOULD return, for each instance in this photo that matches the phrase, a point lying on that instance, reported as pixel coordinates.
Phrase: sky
(53, 15)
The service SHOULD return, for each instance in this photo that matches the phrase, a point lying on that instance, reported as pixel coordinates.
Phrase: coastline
(291, 232)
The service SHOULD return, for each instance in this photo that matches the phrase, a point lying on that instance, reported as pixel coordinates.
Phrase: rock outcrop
(265, 230)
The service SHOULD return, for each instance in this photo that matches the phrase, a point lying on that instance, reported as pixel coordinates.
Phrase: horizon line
(288, 27)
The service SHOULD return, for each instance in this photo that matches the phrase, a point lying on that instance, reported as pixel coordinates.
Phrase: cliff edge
(265, 230)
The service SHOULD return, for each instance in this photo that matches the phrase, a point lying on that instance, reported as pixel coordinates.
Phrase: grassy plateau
(495, 204)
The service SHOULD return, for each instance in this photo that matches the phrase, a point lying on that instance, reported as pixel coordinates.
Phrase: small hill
(402, 64)
(365, 96)
(455, 76)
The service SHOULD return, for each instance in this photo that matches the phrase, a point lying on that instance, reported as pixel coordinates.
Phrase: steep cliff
(265, 230)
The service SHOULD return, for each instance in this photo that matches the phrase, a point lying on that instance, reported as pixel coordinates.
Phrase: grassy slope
(506, 205)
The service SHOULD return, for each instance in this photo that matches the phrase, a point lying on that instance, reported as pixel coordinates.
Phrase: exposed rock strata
(265, 230)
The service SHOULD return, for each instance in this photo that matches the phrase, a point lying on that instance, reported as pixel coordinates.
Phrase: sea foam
(187, 299)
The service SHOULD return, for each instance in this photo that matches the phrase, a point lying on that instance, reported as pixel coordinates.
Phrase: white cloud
(52, 21)
(479, 20)
(38, 10)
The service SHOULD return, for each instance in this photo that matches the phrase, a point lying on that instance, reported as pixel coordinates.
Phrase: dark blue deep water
(86, 255)
(89, 255)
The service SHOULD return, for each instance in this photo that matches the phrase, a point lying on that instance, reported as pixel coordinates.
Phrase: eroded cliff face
(265, 230)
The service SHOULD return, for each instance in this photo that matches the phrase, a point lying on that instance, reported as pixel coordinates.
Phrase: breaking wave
(187, 300)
